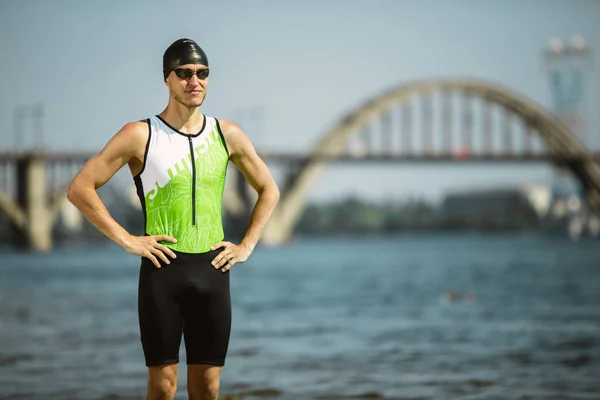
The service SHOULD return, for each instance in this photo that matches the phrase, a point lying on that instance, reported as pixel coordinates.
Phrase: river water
(449, 316)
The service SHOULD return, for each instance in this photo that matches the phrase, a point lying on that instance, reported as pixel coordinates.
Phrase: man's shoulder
(133, 135)
(141, 124)
(227, 127)
(136, 128)
(235, 137)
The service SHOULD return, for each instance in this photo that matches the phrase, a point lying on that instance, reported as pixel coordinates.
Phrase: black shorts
(189, 297)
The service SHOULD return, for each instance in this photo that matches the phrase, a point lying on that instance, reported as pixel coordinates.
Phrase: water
(326, 319)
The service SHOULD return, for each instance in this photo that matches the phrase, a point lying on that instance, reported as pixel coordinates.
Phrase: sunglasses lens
(202, 73)
(183, 73)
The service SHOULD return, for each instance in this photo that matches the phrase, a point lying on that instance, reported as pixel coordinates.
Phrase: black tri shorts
(188, 297)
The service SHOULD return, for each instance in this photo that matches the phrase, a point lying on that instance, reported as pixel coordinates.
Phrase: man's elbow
(275, 193)
(270, 192)
(75, 191)
(72, 192)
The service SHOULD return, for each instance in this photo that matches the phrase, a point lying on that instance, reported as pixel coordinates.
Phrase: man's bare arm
(124, 147)
(256, 172)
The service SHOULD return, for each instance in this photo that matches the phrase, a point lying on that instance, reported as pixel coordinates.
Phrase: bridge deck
(279, 156)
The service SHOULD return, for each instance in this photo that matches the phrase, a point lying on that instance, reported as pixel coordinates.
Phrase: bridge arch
(559, 142)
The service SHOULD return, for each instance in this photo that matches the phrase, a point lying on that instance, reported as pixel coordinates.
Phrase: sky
(96, 65)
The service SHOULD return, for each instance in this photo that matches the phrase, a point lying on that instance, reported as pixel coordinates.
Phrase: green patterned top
(181, 184)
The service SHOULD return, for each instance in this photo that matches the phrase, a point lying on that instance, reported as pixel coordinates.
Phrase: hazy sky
(97, 65)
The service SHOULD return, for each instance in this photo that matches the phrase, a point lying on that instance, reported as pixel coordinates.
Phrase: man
(178, 161)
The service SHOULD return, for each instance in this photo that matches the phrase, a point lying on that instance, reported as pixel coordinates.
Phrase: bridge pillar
(279, 230)
(588, 174)
(290, 178)
(36, 233)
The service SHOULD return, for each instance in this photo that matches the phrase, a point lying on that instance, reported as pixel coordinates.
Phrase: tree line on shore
(346, 216)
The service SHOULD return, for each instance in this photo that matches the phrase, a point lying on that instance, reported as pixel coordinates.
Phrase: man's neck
(185, 119)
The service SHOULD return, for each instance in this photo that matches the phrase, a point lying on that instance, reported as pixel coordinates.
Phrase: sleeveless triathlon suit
(180, 188)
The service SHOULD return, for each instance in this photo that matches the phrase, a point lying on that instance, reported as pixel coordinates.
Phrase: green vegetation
(354, 216)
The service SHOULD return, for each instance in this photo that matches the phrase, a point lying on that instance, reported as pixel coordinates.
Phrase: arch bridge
(438, 121)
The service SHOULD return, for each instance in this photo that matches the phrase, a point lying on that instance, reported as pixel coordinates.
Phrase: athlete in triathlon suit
(178, 160)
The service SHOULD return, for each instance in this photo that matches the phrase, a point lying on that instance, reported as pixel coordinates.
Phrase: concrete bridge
(444, 121)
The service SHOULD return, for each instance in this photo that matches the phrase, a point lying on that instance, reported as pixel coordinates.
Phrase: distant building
(519, 206)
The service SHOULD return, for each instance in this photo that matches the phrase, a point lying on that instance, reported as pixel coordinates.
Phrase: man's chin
(196, 101)
(192, 104)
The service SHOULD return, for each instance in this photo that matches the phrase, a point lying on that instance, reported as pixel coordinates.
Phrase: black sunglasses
(185, 73)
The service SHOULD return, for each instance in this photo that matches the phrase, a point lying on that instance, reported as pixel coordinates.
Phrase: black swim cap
(183, 51)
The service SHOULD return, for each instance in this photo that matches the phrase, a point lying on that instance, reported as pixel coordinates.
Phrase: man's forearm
(261, 213)
(93, 209)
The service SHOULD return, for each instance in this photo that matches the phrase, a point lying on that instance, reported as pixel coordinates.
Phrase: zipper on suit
(193, 181)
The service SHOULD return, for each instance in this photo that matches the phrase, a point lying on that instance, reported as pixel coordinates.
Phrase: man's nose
(194, 80)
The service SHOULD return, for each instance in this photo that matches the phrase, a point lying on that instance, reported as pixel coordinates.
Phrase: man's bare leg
(203, 381)
(162, 382)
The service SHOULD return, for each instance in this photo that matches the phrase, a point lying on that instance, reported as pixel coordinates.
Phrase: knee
(162, 387)
(206, 389)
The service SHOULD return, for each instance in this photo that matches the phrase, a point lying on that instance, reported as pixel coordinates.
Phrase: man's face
(187, 84)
